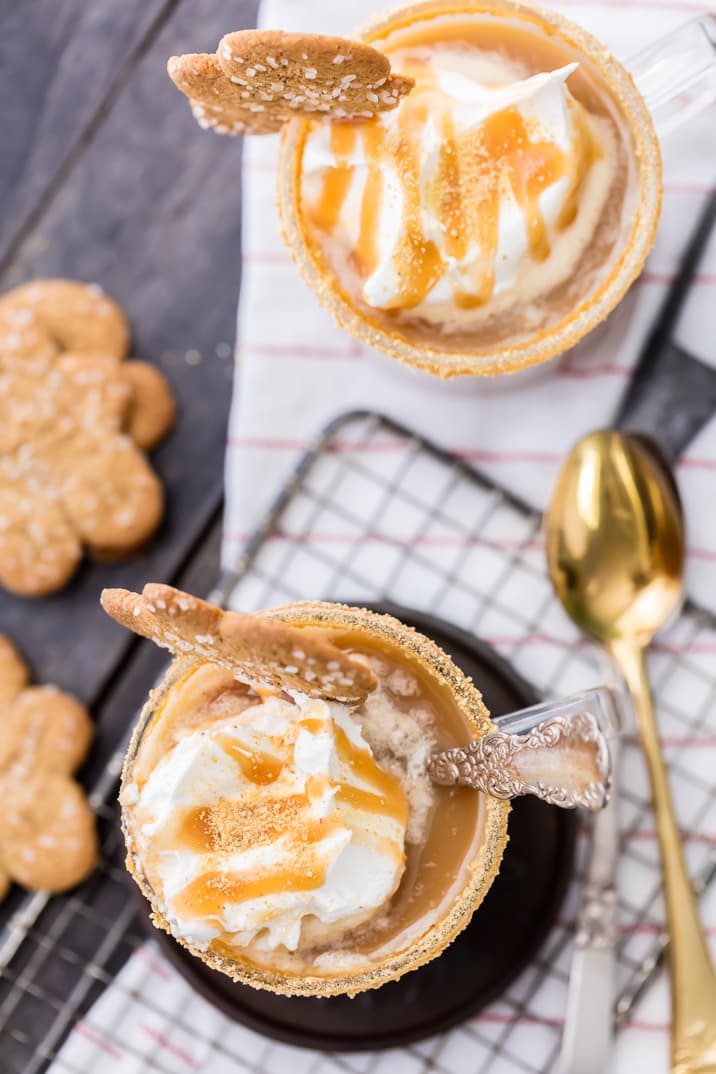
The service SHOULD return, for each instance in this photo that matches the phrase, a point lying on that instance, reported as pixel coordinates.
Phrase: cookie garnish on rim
(215, 101)
(261, 652)
(259, 79)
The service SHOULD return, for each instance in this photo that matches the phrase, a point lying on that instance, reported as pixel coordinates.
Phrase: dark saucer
(505, 934)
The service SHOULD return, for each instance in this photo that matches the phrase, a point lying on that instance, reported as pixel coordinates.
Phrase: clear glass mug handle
(676, 74)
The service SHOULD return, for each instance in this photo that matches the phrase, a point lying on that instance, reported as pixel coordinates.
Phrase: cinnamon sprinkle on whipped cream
(253, 824)
(480, 190)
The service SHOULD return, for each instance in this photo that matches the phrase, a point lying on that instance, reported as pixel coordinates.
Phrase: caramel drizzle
(473, 169)
(209, 893)
(366, 251)
(314, 725)
(336, 180)
(256, 767)
(235, 826)
(417, 261)
(587, 151)
(385, 796)
(230, 826)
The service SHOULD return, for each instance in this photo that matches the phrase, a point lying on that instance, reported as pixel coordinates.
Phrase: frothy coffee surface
(485, 203)
(294, 833)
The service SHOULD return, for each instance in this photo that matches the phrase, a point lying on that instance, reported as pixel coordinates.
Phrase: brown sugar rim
(499, 358)
(433, 661)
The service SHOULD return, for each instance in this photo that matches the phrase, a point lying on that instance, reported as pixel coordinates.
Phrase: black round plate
(504, 935)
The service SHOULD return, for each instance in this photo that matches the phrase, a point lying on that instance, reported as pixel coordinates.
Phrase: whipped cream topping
(462, 196)
(253, 824)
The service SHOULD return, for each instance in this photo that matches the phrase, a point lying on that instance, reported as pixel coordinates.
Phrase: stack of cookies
(75, 422)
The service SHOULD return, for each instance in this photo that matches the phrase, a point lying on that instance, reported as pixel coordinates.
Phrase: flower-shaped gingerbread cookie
(48, 840)
(74, 422)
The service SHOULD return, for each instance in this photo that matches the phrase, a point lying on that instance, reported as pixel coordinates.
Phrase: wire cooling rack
(375, 512)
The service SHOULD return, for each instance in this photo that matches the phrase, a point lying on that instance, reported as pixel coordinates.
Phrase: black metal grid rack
(375, 512)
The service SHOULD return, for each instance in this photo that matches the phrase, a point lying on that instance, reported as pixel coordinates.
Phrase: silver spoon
(557, 751)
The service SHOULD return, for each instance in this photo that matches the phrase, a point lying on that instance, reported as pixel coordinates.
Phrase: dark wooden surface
(104, 176)
(72, 927)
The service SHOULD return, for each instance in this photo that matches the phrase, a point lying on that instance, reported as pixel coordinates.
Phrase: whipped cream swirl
(461, 195)
(253, 824)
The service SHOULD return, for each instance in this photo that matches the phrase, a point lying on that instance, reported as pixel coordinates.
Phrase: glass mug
(558, 750)
(675, 78)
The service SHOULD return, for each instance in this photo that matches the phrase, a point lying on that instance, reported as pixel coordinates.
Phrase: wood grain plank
(61, 61)
(151, 211)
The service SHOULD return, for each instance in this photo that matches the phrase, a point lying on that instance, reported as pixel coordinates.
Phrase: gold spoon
(615, 548)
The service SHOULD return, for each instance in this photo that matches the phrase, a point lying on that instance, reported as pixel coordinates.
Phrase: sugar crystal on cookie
(309, 82)
(259, 651)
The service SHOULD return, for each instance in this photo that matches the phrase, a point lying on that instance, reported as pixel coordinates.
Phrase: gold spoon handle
(693, 980)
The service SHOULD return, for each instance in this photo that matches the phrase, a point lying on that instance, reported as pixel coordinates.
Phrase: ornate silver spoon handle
(589, 1017)
(560, 755)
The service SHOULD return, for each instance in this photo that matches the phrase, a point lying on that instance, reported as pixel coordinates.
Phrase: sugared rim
(443, 361)
(483, 870)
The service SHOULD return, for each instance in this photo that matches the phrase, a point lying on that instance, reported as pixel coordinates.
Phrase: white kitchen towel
(295, 371)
